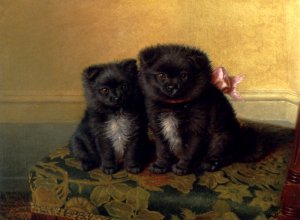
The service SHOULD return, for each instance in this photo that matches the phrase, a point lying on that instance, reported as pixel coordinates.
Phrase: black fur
(114, 116)
(176, 82)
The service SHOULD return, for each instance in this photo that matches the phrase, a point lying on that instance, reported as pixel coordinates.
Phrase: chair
(290, 196)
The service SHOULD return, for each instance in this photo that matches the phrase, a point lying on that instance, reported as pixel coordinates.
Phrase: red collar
(176, 101)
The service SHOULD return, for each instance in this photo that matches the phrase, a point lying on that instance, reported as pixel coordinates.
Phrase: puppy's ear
(129, 66)
(91, 73)
(200, 61)
(148, 56)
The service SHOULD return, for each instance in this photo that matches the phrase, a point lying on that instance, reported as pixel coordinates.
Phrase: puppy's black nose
(170, 87)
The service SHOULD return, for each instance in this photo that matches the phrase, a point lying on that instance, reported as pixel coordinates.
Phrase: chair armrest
(290, 196)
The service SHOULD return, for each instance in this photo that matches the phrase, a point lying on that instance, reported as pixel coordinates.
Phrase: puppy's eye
(184, 75)
(104, 91)
(124, 86)
(161, 76)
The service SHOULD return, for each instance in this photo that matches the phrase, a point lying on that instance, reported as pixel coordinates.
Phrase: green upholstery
(239, 191)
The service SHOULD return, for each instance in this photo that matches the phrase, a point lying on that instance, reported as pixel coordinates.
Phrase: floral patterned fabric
(239, 191)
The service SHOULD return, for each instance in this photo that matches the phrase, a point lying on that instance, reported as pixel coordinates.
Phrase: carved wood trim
(290, 196)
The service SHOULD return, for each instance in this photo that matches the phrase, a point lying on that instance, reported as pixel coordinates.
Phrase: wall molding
(52, 106)
(41, 99)
(272, 95)
(75, 97)
(8, 96)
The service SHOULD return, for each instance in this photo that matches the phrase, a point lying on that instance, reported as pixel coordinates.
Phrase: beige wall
(44, 45)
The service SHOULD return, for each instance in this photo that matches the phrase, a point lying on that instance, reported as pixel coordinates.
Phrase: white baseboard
(35, 107)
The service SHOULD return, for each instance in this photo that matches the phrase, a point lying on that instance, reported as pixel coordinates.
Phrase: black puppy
(114, 126)
(191, 119)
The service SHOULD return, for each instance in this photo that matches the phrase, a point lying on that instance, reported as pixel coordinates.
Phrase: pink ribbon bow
(227, 84)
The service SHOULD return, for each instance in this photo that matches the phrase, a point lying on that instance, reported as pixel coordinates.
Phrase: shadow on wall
(22, 145)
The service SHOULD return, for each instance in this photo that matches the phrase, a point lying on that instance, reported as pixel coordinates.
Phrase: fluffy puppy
(114, 127)
(192, 121)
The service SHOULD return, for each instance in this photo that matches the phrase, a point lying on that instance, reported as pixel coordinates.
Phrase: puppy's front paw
(109, 170)
(210, 166)
(179, 171)
(157, 169)
(134, 169)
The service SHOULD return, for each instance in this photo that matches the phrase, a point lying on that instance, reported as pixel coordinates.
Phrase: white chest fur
(169, 125)
(118, 130)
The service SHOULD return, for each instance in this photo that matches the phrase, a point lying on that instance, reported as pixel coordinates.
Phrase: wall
(44, 45)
